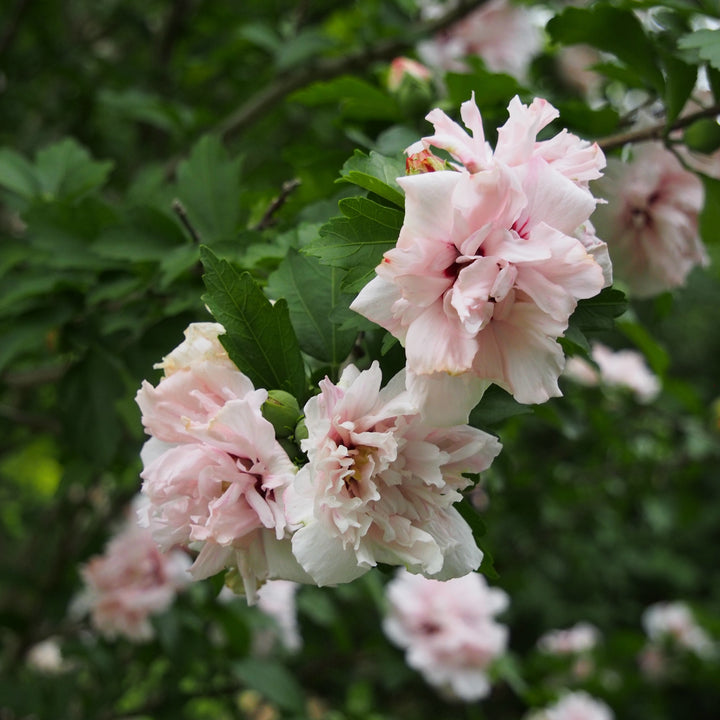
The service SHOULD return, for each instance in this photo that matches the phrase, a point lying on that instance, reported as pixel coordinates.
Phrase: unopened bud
(301, 431)
(424, 161)
(401, 68)
(281, 409)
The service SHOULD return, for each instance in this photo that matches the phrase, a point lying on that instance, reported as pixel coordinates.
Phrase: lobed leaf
(259, 336)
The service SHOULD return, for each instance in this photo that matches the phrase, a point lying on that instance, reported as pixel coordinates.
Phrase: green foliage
(259, 336)
(597, 506)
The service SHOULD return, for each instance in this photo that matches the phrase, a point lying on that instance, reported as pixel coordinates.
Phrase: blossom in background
(674, 621)
(503, 34)
(487, 268)
(276, 598)
(401, 67)
(46, 657)
(129, 582)
(575, 706)
(448, 630)
(380, 483)
(580, 638)
(650, 221)
(213, 471)
(616, 368)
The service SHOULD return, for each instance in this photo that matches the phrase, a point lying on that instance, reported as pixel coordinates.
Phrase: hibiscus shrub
(358, 360)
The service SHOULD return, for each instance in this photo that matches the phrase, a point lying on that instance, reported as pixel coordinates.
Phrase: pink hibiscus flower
(380, 484)
(448, 630)
(487, 268)
(129, 582)
(651, 220)
(213, 470)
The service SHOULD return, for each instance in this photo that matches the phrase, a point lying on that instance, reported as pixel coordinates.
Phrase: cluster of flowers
(379, 484)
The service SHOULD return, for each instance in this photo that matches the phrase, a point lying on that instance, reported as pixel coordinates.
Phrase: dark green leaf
(473, 519)
(209, 189)
(680, 81)
(313, 294)
(356, 98)
(598, 313)
(657, 356)
(259, 336)
(272, 681)
(496, 406)
(357, 241)
(88, 394)
(66, 171)
(613, 30)
(710, 215)
(17, 174)
(703, 136)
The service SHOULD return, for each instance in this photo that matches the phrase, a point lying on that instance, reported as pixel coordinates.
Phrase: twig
(179, 210)
(286, 190)
(328, 68)
(657, 131)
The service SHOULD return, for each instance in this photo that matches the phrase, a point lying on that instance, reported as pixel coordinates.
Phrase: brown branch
(328, 68)
(179, 210)
(658, 131)
(286, 190)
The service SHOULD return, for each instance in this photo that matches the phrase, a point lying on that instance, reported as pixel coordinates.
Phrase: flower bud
(402, 68)
(281, 409)
(423, 162)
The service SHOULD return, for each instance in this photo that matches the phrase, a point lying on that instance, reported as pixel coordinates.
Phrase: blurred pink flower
(402, 66)
(213, 470)
(380, 484)
(651, 220)
(448, 630)
(503, 34)
(616, 368)
(674, 621)
(580, 638)
(575, 706)
(487, 270)
(129, 582)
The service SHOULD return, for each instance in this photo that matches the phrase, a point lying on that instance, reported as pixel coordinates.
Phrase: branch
(328, 68)
(179, 210)
(285, 191)
(658, 131)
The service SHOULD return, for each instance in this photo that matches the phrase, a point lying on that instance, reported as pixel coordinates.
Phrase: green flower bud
(281, 409)
(301, 431)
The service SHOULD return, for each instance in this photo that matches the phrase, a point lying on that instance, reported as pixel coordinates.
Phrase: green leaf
(313, 294)
(88, 394)
(680, 81)
(598, 313)
(146, 234)
(300, 48)
(273, 681)
(66, 171)
(710, 215)
(209, 187)
(357, 241)
(707, 44)
(703, 136)
(613, 30)
(496, 406)
(356, 98)
(473, 519)
(65, 233)
(18, 175)
(377, 174)
(259, 337)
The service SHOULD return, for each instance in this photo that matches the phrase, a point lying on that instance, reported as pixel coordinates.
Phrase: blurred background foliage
(132, 130)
